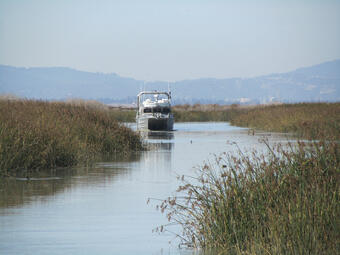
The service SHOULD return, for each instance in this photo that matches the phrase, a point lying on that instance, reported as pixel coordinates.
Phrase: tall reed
(204, 113)
(308, 120)
(38, 134)
(284, 203)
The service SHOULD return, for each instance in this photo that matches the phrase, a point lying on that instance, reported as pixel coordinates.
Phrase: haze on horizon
(172, 39)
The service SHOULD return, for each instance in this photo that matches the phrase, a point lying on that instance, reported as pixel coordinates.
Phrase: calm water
(103, 210)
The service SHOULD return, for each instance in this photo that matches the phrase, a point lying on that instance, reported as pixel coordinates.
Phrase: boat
(154, 111)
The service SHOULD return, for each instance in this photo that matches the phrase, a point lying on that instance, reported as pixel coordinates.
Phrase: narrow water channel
(103, 209)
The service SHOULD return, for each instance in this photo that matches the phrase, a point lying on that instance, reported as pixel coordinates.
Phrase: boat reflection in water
(157, 135)
(158, 140)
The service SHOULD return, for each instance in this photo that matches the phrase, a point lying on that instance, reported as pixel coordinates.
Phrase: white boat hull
(154, 113)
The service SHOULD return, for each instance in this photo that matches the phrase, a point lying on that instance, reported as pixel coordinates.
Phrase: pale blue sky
(170, 39)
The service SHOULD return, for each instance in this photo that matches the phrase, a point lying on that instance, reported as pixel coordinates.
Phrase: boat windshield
(164, 110)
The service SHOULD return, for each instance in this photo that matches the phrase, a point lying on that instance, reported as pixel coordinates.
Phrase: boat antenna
(169, 90)
(140, 87)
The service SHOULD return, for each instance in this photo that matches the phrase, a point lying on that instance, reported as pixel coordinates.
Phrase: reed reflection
(40, 186)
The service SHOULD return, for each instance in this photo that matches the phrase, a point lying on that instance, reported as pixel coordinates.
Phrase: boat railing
(168, 94)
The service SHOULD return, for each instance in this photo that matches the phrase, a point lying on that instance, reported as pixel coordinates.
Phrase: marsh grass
(116, 113)
(123, 115)
(38, 134)
(307, 120)
(205, 113)
(201, 116)
(286, 202)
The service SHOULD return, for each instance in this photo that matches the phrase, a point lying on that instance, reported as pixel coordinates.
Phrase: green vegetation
(308, 120)
(284, 203)
(37, 135)
(201, 116)
(123, 115)
(202, 113)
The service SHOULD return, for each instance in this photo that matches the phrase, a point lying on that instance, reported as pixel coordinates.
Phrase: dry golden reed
(287, 202)
(307, 120)
(38, 134)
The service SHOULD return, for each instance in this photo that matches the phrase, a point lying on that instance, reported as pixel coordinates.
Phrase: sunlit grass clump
(205, 113)
(307, 120)
(284, 203)
(38, 134)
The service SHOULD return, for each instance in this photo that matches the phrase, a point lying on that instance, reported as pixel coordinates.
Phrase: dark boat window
(157, 109)
(165, 110)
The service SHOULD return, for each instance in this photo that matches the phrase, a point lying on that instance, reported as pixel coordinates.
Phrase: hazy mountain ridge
(316, 83)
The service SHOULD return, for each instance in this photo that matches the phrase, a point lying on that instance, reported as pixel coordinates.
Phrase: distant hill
(316, 83)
